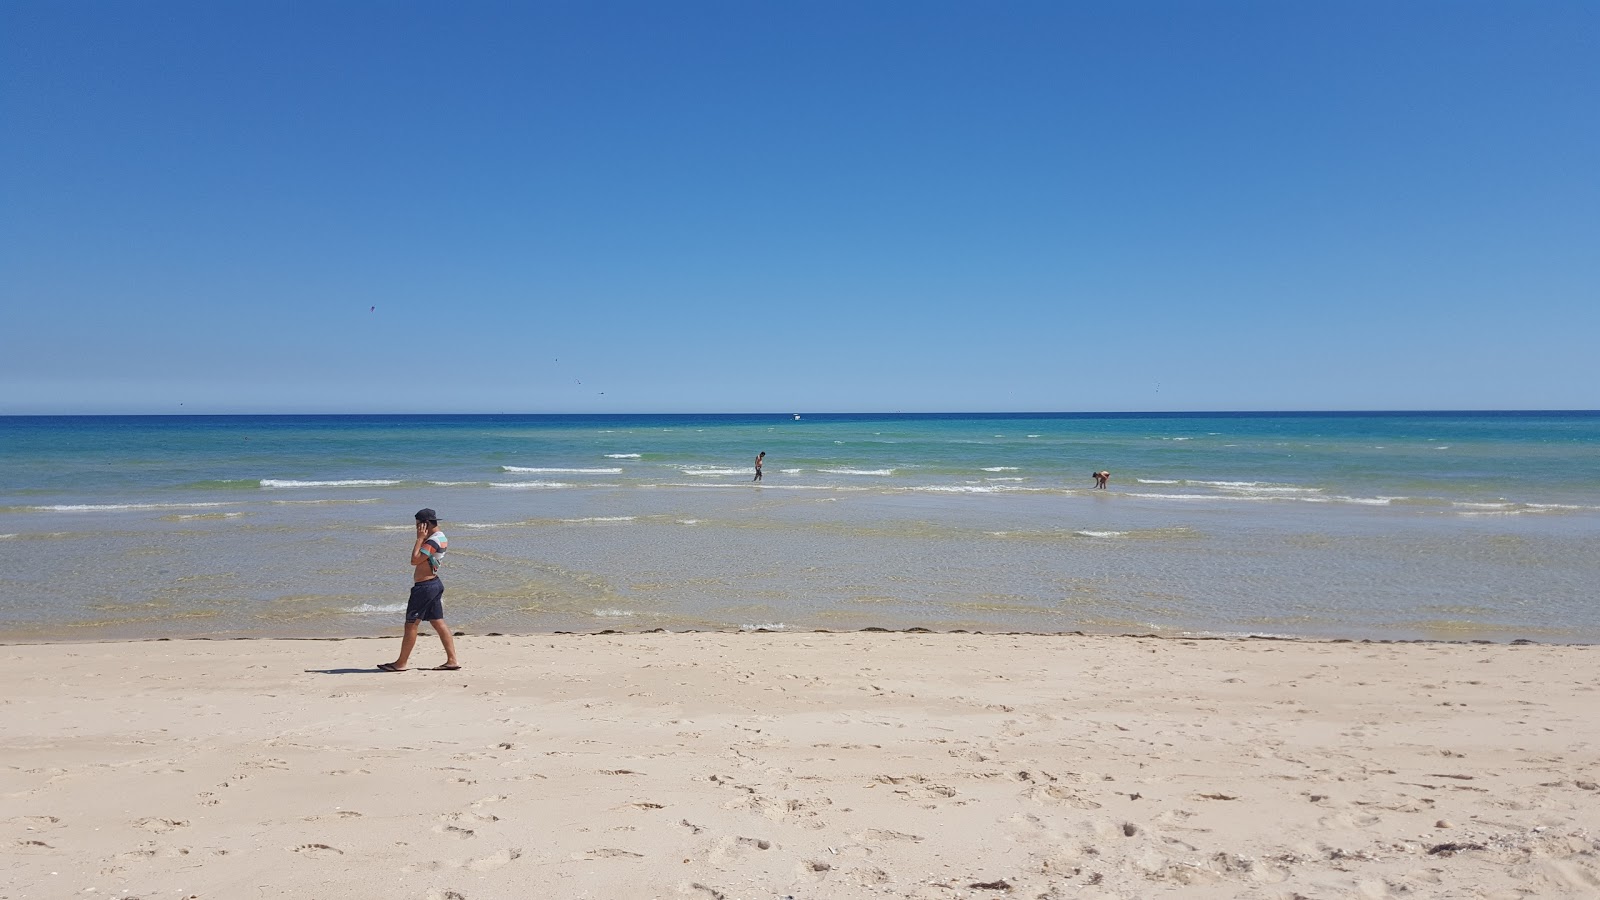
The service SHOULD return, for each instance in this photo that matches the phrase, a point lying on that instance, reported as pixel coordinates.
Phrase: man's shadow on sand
(369, 670)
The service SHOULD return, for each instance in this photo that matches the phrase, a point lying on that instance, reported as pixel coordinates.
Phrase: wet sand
(800, 765)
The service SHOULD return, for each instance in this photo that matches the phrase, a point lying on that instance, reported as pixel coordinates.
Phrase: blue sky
(822, 206)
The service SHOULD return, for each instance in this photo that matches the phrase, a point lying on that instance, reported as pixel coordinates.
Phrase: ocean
(1399, 526)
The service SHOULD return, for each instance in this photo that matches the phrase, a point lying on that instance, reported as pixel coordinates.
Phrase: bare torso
(422, 569)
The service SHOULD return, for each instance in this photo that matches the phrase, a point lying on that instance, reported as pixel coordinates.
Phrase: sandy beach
(765, 766)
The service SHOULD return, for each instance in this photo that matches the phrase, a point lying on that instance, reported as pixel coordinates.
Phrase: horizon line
(1013, 413)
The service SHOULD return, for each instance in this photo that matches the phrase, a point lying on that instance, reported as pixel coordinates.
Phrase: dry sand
(800, 765)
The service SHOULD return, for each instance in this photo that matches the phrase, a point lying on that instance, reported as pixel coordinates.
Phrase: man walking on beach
(760, 458)
(427, 594)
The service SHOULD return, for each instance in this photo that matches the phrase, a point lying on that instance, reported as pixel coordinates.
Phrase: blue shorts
(427, 601)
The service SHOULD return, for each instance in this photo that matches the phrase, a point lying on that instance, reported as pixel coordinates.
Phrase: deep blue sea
(1453, 526)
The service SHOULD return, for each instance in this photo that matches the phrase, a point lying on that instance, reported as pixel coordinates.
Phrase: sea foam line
(528, 485)
(101, 507)
(539, 470)
(622, 456)
(378, 608)
(1244, 487)
(880, 472)
(348, 482)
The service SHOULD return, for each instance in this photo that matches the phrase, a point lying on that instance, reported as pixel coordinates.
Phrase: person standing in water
(1100, 479)
(427, 594)
(760, 458)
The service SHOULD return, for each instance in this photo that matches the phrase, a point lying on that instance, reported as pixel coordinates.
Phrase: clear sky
(807, 206)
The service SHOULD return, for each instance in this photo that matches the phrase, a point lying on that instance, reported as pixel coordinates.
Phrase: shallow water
(1444, 526)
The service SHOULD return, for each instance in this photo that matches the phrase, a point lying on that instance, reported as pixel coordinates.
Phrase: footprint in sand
(160, 826)
(318, 851)
(869, 876)
(815, 867)
(1058, 795)
(882, 834)
(465, 819)
(608, 853)
(341, 814)
(454, 831)
(494, 860)
(446, 895)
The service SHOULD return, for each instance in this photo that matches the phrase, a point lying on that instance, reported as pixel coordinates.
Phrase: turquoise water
(1450, 526)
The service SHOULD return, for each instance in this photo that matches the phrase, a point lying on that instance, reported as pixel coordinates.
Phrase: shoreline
(612, 632)
(915, 765)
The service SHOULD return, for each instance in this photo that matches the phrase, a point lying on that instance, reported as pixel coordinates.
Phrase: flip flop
(445, 668)
(389, 667)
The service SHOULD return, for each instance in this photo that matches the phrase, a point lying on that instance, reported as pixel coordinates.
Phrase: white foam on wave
(226, 515)
(999, 468)
(378, 608)
(791, 471)
(347, 482)
(1256, 486)
(879, 472)
(769, 626)
(1101, 534)
(528, 485)
(622, 456)
(104, 507)
(960, 489)
(1243, 487)
(688, 521)
(1213, 498)
(613, 613)
(762, 486)
(702, 472)
(600, 519)
(1467, 505)
(1011, 480)
(540, 470)
(323, 500)
(6, 537)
